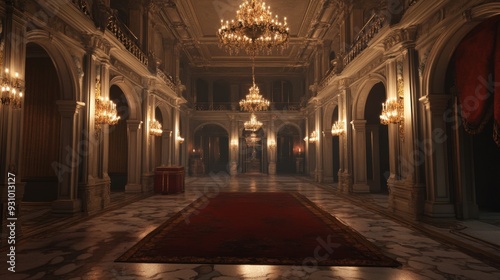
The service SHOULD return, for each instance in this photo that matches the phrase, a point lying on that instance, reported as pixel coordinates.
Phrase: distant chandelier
(254, 30)
(11, 90)
(253, 100)
(253, 124)
(155, 128)
(338, 128)
(252, 139)
(105, 109)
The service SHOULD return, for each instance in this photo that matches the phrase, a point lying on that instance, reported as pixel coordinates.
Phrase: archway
(253, 156)
(211, 146)
(366, 133)
(475, 155)
(377, 141)
(288, 137)
(41, 127)
(118, 142)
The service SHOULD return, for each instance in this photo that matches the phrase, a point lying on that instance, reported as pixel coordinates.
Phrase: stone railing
(228, 106)
(371, 28)
(83, 6)
(127, 38)
(166, 78)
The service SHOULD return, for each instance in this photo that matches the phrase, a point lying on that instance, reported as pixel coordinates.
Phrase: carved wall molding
(122, 69)
(97, 43)
(400, 36)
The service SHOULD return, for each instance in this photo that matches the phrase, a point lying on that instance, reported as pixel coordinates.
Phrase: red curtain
(477, 68)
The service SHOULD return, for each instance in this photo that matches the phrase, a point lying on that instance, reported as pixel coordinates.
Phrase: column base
(272, 168)
(318, 176)
(345, 182)
(360, 188)
(147, 182)
(66, 206)
(233, 168)
(133, 188)
(439, 210)
(405, 199)
(95, 197)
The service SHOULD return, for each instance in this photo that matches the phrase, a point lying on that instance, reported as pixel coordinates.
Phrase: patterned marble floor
(87, 249)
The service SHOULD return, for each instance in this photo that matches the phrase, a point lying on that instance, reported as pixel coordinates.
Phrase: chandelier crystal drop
(253, 124)
(255, 30)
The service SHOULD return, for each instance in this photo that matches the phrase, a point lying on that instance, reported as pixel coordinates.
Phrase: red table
(169, 179)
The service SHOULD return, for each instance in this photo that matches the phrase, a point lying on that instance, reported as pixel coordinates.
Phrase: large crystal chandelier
(253, 124)
(254, 30)
(253, 100)
(105, 109)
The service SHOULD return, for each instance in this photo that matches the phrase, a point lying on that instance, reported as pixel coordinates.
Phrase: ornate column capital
(435, 103)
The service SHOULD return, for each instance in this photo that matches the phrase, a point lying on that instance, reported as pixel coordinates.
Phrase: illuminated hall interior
(383, 113)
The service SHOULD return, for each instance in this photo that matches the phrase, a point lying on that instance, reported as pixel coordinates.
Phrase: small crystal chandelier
(253, 100)
(312, 138)
(11, 90)
(253, 124)
(254, 30)
(155, 128)
(105, 109)
(338, 128)
(393, 112)
(252, 139)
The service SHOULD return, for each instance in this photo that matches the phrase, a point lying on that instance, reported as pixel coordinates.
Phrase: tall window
(282, 94)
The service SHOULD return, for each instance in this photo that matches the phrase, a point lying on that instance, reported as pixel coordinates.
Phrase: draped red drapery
(477, 77)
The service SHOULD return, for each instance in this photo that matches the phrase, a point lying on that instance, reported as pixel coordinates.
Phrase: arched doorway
(475, 157)
(41, 127)
(211, 146)
(253, 156)
(288, 137)
(118, 142)
(377, 141)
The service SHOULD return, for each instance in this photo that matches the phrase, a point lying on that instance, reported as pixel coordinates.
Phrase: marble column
(360, 184)
(272, 147)
(375, 157)
(233, 146)
(438, 201)
(13, 32)
(134, 157)
(67, 199)
(319, 143)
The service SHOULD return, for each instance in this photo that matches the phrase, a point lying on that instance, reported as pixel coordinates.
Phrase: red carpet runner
(256, 228)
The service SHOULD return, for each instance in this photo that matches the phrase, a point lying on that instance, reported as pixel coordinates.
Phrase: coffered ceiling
(194, 23)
